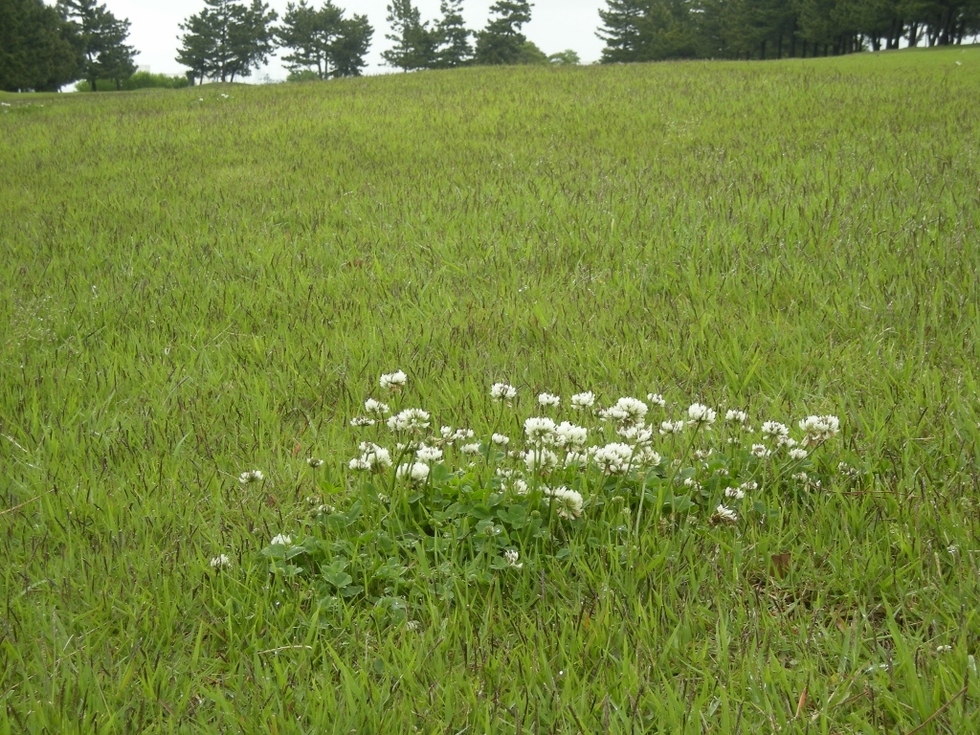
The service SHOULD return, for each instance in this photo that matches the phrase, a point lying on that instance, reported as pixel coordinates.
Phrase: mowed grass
(196, 285)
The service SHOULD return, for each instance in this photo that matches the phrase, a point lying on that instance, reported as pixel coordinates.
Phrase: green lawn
(202, 282)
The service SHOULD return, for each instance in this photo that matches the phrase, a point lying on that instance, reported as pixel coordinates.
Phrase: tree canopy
(227, 39)
(101, 41)
(502, 42)
(323, 41)
(39, 48)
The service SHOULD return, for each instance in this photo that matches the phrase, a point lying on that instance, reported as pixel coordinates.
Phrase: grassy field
(201, 283)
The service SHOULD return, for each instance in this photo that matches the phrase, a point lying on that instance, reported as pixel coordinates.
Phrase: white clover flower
(281, 540)
(637, 434)
(749, 486)
(511, 556)
(414, 471)
(500, 439)
(393, 381)
(645, 457)
(376, 407)
(797, 453)
(362, 421)
(540, 460)
(736, 416)
(519, 486)
(247, 478)
(373, 458)
(626, 410)
(504, 472)
(819, 428)
(761, 451)
(548, 399)
(775, 429)
(568, 434)
(725, 515)
(583, 400)
(221, 561)
(700, 414)
(614, 458)
(702, 453)
(314, 462)
(671, 427)
(567, 503)
(734, 493)
(786, 442)
(801, 476)
(692, 483)
(411, 419)
(539, 429)
(576, 459)
(470, 448)
(428, 454)
(657, 400)
(503, 392)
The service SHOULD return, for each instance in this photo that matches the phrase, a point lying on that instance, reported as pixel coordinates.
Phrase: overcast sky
(555, 25)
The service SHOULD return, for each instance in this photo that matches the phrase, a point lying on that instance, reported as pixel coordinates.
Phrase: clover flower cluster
(549, 446)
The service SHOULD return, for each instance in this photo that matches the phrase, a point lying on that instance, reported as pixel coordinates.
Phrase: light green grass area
(202, 282)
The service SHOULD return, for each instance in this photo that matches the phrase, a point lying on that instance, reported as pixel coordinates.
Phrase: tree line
(44, 47)
(653, 30)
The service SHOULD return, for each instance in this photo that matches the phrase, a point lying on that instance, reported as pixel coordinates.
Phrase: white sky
(555, 25)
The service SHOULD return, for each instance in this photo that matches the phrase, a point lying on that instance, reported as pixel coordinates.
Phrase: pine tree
(454, 38)
(415, 44)
(502, 42)
(101, 40)
(351, 46)
(323, 40)
(227, 39)
(623, 30)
